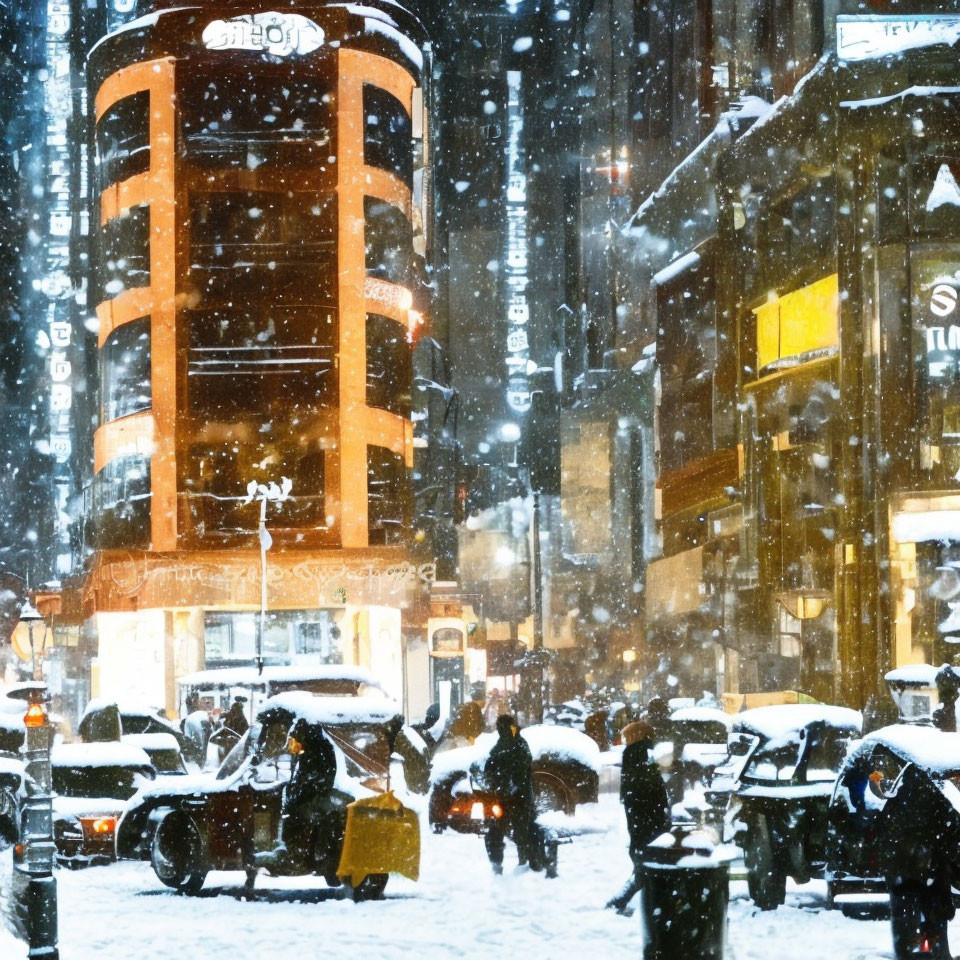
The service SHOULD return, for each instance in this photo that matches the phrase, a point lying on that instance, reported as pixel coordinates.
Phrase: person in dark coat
(235, 719)
(508, 774)
(919, 840)
(644, 798)
(308, 828)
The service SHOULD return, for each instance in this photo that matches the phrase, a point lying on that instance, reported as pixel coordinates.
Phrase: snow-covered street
(458, 909)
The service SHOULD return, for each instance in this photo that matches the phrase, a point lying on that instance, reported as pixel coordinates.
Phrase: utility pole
(264, 492)
(538, 653)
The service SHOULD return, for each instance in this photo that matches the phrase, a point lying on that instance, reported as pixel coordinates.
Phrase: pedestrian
(508, 774)
(919, 835)
(235, 719)
(948, 688)
(644, 798)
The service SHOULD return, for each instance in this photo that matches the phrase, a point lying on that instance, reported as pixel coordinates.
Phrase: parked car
(793, 754)
(187, 826)
(12, 730)
(566, 768)
(869, 776)
(163, 749)
(216, 689)
(91, 784)
(107, 720)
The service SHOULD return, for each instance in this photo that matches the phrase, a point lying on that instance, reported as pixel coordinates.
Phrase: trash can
(685, 879)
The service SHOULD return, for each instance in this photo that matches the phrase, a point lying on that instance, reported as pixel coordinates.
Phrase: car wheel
(371, 887)
(766, 880)
(176, 854)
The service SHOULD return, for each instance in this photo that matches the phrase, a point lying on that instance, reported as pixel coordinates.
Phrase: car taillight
(497, 810)
(99, 826)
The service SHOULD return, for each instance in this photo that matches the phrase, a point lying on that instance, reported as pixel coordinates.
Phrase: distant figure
(595, 727)
(235, 719)
(192, 702)
(644, 798)
(948, 687)
(494, 706)
(508, 775)
(469, 721)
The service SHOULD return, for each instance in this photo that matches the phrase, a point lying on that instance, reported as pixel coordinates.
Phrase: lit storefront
(261, 200)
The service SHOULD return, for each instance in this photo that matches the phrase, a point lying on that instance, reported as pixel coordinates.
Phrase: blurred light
(504, 557)
(35, 716)
(629, 655)
(510, 432)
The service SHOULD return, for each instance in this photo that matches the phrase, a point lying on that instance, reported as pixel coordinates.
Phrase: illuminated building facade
(260, 205)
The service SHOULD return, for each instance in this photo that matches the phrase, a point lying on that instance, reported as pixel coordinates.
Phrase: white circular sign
(943, 300)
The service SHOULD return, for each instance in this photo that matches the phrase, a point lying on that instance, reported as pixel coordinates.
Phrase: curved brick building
(260, 200)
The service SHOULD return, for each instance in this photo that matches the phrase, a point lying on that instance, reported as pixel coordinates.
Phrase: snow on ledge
(926, 526)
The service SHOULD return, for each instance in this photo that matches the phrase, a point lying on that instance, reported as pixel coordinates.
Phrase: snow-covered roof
(248, 676)
(544, 740)
(11, 714)
(98, 755)
(151, 741)
(128, 708)
(784, 720)
(927, 747)
(333, 711)
(912, 675)
(703, 715)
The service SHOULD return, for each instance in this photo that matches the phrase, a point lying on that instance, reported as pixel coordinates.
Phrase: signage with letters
(279, 34)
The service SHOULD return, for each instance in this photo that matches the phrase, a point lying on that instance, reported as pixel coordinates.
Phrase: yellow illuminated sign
(799, 322)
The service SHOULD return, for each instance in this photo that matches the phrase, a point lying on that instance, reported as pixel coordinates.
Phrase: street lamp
(32, 617)
(265, 492)
(36, 887)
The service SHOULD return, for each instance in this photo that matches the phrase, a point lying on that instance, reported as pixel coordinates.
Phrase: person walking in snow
(644, 798)
(919, 836)
(508, 774)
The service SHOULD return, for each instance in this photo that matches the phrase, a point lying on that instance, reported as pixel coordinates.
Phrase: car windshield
(825, 756)
(119, 782)
(167, 761)
(235, 759)
(775, 761)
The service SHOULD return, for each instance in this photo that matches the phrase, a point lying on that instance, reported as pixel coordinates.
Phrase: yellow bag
(382, 836)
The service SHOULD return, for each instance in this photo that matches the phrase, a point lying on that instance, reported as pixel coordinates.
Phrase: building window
(274, 248)
(386, 496)
(387, 140)
(218, 478)
(389, 365)
(389, 242)
(279, 121)
(232, 636)
(125, 371)
(121, 503)
(123, 140)
(123, 253)
(268, 361)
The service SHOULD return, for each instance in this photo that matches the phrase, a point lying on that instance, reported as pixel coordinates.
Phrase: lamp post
(32, 617)
(35, 885)
(265, 492)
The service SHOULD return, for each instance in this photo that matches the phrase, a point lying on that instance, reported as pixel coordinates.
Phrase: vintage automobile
(870, 775)
(566, 766)
(231, 820)
(216, 689)
(100, 719)
(163, 749)
(91, 785)
(792, 756)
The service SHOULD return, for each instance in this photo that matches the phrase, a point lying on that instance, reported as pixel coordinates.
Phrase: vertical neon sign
(518, 309)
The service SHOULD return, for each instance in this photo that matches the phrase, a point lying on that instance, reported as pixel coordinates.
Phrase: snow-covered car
(163, 749)
(91, 784)
(101, 716)
(187, 826)
(699, 742)
(566, 772)
(870, 775)
(12, 730)
(793, 753)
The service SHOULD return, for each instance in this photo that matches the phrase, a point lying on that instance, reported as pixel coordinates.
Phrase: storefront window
(125, 371)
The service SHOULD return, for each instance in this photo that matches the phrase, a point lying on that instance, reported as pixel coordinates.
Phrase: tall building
(261, 207)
